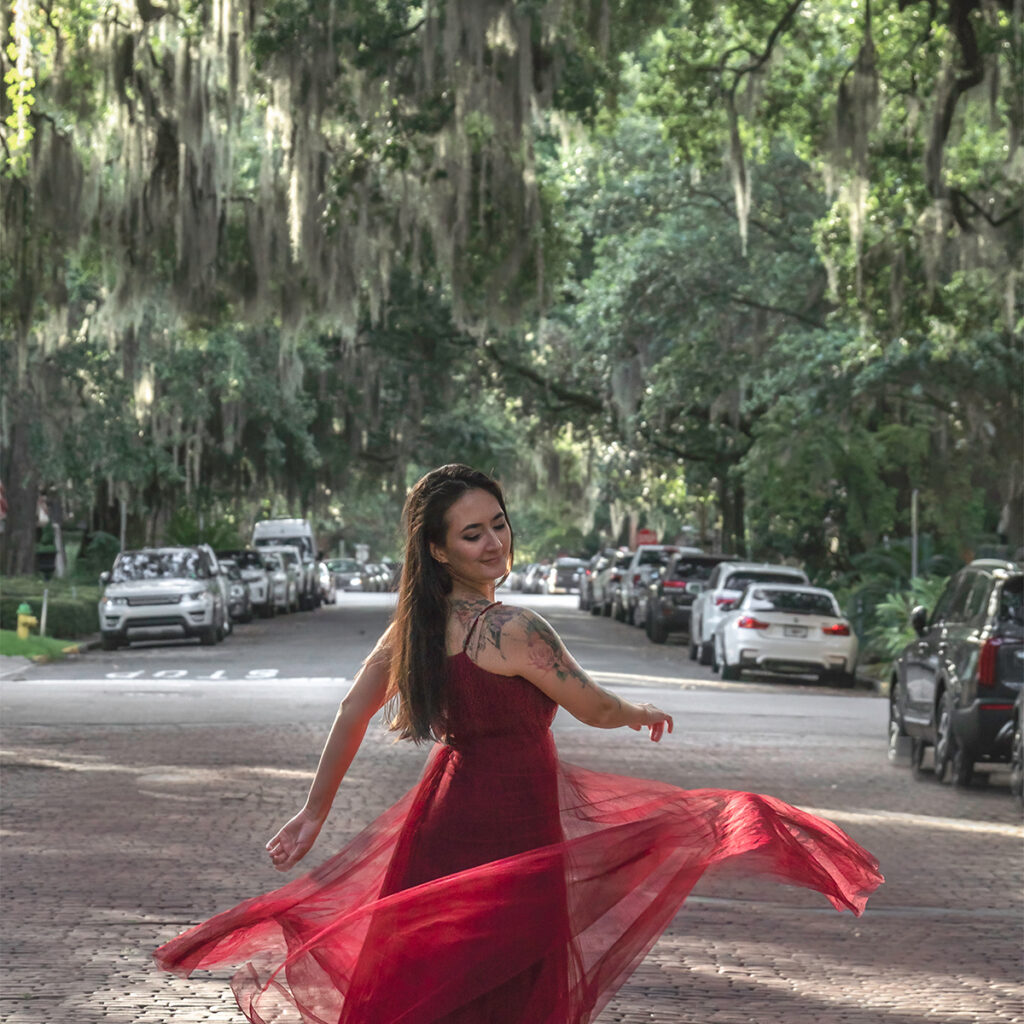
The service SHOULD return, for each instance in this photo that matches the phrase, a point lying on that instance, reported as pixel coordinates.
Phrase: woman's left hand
(654, 719)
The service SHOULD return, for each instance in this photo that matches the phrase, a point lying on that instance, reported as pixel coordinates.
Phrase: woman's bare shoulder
(505, 632)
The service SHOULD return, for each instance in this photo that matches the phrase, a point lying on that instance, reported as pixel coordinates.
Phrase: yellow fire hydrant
(26, 620)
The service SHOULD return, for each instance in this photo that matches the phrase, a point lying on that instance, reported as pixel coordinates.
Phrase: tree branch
(566, 395)
(744, 300)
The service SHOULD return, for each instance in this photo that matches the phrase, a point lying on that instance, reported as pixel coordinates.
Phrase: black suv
(954, 687)
(671, 593)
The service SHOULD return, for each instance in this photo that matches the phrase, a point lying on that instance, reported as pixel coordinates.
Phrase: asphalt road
(139, 786)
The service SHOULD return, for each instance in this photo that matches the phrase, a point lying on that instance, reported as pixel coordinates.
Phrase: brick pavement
(116, 839)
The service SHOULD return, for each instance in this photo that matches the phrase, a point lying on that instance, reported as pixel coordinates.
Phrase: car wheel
(844, 680)
(730, 673)
(110, 641)
(1017, 761)
(961, 765)
(694, 651)
(899, 742)
(917, 748)
(945, 741)
(596, 609)
(705, 652)
(619, 613)
(656, 630)
(208, 636)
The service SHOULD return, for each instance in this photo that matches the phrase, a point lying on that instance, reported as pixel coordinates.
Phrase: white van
(295, 533)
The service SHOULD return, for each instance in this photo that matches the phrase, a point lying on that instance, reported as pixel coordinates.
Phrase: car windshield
(344, 565)
(248, 560)
(232, 570)
(655, 557)
(180, 564)
(798, 602)
(1011, 601)
(742, 580)
(691, 569)
(271, 561)
(302, 543)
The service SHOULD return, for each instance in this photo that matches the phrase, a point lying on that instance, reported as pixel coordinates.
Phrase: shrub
(66, 617)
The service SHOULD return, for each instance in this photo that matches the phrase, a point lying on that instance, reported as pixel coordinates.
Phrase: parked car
(239, 600)
(787, 629)
(161, 593)
(284, 588)
(564, 576)
(222, 582)
(287, 556)
(515, 577)
(256, 577)
(954, 687)
(670, 595)
(298, 534)
(590, 570)
(647, 560)
(533, 578)
(607, 580)
(328, 592)
(726, 583)
(348, 573)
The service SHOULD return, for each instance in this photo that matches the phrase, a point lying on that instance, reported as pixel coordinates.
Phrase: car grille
(137, 602)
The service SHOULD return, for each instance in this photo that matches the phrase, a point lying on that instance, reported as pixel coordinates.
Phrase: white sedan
(789, 629)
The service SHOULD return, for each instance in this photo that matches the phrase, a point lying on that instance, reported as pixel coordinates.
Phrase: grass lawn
(33, 646)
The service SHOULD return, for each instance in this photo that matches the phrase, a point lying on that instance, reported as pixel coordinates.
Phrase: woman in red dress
(506, 887)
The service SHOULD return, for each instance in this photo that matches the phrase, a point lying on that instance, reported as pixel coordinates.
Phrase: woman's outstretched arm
(361, 703)
(517, 641)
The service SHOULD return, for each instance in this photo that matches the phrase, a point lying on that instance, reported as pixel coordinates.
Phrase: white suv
(726, 583)
(162, 592)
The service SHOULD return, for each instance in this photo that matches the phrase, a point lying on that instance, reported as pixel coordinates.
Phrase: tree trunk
(21, 485)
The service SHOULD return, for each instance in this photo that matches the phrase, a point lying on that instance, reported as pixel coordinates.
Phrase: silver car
(157, 593)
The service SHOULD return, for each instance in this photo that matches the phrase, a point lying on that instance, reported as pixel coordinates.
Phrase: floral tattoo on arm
(544, 650)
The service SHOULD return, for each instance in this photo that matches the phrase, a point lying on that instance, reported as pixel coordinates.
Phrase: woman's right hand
(294, 840)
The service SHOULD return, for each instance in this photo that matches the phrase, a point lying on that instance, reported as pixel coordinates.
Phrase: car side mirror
(919, 619)
(104, 578)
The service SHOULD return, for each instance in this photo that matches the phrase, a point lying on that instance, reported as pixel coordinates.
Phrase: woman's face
(477, 538)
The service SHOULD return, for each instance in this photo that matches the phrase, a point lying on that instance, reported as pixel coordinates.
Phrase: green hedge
(67, 617)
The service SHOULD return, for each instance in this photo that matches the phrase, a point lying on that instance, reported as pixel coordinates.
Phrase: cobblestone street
(117, 837)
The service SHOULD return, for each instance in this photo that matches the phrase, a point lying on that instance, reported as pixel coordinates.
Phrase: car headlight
(115, 600)
(198, 595)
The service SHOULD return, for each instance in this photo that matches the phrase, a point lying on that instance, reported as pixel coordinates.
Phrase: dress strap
(469, 635)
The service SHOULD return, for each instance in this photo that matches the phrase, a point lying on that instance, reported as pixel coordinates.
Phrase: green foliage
(188, 527)
(66, 617)
(98, 556)
(892, 630)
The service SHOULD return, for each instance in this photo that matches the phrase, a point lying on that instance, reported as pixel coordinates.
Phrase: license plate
(795, 631)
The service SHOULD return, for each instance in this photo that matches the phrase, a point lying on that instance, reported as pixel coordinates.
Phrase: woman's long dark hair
(419, 630)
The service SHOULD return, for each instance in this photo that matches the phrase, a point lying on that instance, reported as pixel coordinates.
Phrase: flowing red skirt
(443, 911)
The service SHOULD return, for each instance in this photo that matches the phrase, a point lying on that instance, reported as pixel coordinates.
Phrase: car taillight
(616, 577)
(987, 661)
(636, 579)
(837, 629)
(749, 622)
(723, 600)
(675, 585)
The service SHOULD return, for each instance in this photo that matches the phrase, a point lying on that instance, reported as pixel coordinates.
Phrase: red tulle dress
(506, 887)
